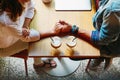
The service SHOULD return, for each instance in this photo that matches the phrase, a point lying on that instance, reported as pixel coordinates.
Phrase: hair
(14, 6)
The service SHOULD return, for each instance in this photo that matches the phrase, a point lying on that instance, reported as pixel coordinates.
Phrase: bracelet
(74, 29)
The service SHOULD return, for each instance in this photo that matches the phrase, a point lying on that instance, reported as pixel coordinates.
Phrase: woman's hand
(25, 32)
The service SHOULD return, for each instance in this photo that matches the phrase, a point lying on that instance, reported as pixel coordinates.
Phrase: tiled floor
(13, 69)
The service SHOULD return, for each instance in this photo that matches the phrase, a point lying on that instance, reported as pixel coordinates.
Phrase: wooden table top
(46, 17)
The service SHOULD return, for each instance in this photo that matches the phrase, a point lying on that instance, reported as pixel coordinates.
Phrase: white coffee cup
(56, 42)
(71, 41)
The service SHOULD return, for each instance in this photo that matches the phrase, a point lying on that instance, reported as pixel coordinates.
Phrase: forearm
(27, 23)
(47, 34)
(86, 36)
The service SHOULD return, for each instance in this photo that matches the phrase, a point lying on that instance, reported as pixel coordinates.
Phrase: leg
(38, 62)
(44, 62)
(108, 62)
(95, 63)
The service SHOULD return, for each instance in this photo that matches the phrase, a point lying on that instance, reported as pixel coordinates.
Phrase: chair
(24, 55)
(97, 6)
(87, 67)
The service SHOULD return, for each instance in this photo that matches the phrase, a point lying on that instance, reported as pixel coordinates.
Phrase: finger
(62, 22)
(58, 23)
(26, 33)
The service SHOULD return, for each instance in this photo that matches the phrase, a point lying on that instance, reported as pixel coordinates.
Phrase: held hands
(62, 28)
(66, 28)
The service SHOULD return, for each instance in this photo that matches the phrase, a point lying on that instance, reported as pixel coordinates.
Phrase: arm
(79, 33)
(27, 23)
(30, 12)
(46, 34)
(86, 36)
(57, 30)
(60, 29)
(108, 33)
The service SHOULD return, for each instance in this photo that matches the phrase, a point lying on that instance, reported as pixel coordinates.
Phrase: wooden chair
(97, 6)
(87, 67)
(24, 55)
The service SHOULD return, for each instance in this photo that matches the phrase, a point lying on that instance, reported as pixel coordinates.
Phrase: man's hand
(66, 28)
(62, 28)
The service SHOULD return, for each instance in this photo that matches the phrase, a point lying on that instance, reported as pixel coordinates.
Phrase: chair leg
(88, 65)
(26, 69)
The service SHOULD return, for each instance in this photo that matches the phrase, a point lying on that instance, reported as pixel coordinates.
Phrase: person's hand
(62, 28)
(57, 28)
(66, 27)
(25, 32)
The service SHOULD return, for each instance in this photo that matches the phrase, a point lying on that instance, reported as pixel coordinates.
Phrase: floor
(13, 69)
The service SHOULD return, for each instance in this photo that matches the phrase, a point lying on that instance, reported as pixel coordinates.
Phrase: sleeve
(30, 9)
(110, 29)
(34, 36)
(14, 30)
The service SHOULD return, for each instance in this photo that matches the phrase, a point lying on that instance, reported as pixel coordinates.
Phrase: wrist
(53, 33)
(27, 27)
(74, 29)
